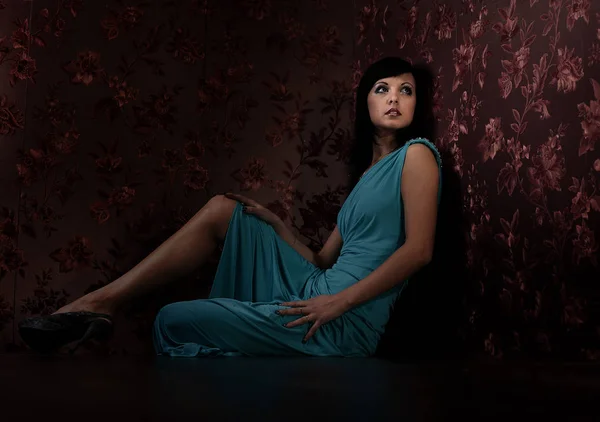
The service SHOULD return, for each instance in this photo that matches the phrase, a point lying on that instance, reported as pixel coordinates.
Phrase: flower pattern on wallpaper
(135, 109)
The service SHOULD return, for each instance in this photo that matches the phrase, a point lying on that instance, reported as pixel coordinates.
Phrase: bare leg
(180, 254)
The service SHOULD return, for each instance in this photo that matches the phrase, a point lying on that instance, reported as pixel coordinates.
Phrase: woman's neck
(383, 145)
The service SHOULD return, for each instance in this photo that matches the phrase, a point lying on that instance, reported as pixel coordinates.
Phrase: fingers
(311, 332)
(293, 311)
(305, 320)
(300, 321)
(299, 308)
(294, 303)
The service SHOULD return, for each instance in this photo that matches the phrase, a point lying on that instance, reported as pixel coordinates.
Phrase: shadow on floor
(84, 388)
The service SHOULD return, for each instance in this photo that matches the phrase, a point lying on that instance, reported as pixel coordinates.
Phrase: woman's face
(392, 103)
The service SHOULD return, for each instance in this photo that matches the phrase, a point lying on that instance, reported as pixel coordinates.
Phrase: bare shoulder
(421, 153)
(419, 159)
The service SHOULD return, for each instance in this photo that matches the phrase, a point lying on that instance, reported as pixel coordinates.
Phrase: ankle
(101, 302)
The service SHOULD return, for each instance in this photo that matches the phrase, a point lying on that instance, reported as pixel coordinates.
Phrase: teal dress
(258, 270)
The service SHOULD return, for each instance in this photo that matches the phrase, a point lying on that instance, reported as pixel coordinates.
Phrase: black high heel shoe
(48, 333)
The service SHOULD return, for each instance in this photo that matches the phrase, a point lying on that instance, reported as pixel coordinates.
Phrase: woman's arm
(420, 181)
(324, 258)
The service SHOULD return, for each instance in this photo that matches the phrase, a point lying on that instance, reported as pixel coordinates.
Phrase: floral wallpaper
(120, 119)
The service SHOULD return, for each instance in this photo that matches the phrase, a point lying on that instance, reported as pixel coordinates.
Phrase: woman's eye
(404, 89)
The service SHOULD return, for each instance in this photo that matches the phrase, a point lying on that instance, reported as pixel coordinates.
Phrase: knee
(172, 318)
(221, 204)
(220, 208)
(218, 211)
(179, 318)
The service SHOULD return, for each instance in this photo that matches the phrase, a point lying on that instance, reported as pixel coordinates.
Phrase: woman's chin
(389, 128)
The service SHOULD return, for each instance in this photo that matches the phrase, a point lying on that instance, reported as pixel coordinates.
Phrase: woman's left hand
(317, 311)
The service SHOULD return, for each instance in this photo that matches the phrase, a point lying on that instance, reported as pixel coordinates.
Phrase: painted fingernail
(303, 341)
(278, 312)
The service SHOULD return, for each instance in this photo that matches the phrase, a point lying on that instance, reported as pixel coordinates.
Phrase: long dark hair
(423, 124)
(427, 315)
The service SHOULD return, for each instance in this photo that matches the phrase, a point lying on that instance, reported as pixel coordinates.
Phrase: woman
(272, 295)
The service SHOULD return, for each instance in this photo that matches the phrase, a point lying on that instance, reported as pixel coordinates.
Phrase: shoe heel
(99, 328)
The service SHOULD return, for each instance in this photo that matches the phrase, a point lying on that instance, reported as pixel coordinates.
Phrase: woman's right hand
(254, 208)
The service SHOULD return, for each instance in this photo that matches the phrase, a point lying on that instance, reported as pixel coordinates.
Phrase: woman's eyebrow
(385, 83)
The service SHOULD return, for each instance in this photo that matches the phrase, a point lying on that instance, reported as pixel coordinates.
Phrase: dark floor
(84, 388)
